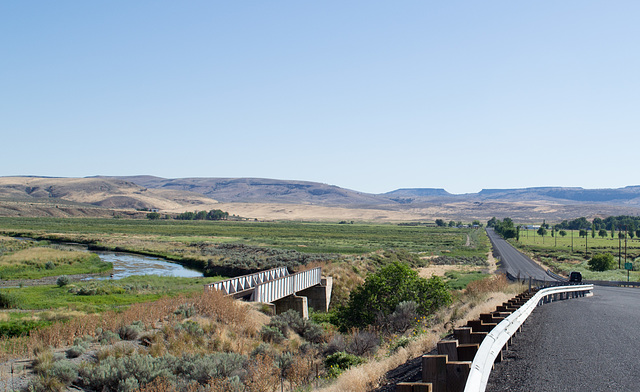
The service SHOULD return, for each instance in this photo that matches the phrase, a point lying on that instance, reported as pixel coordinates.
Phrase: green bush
(383, 291)
(63, 281)
(601, 262)
(8, 300)
(338, 362)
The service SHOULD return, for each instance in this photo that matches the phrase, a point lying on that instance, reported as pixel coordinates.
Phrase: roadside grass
(458, 280)
(556, 252)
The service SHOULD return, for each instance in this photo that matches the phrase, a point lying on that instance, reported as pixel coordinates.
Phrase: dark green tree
(384, 290)
(440, 223)
(542, 232)
(601, 262)
(562, 233)
(153, 216)
(602, 233)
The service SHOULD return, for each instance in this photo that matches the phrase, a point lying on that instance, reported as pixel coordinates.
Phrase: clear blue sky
(366, 95)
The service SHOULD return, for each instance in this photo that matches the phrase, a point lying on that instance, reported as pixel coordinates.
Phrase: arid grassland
(166, 334)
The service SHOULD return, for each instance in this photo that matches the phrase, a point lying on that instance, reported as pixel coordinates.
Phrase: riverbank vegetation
(33, 260)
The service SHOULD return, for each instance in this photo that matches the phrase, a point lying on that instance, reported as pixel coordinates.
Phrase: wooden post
(434, 371)
(448, 348)
(466, 352)
(413, 387)
(463, 334)
(457, 374)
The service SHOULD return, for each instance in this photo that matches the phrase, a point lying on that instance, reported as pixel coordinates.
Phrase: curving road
(583, 344)
(514, 262)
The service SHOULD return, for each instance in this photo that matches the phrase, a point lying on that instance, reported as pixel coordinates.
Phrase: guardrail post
(413, 387)
(434, 371)
(457, 374)
(448, 348)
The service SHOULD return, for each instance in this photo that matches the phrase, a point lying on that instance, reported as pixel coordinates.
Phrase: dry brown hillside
(96, 196)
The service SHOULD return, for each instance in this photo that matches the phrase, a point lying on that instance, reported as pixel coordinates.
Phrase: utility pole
(586, 246)
(571, 240)
(619, 247)
(626, 234)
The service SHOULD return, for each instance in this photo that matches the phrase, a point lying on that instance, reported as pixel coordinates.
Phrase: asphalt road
(515, 262)
(582, 344)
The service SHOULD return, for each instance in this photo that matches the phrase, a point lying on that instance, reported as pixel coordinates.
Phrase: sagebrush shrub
(271, 334)
(63, 281)
(126, 373)
(201, 368)
(186, 310)
(403, 317)
(65, 371)
(132, 331)
(363, 343)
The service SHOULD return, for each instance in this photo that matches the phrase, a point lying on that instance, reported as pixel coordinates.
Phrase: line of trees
(204, 215)
(504, 227)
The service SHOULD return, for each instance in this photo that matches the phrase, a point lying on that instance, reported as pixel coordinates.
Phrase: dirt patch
(440, 270)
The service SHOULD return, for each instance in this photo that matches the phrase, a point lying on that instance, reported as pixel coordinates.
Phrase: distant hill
(300, 200)
(261, 190)
(629, 195)
(108, 193)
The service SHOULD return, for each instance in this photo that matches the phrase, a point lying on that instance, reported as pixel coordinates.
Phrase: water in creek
(128, 264)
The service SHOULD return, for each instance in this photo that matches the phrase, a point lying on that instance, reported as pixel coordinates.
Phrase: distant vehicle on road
(575, 277)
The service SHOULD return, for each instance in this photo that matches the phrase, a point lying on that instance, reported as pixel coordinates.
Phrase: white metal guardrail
(248, 282)
(496, 339)
(279, 288)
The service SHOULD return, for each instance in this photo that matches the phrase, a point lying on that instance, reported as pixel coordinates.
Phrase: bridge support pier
(297, 303)
(319, 296)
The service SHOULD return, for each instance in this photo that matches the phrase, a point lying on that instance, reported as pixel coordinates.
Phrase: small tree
(602, 233)
(601, 262)
(153, 216)
(562, 233)
(440, 223)
(542, 231)
(381, 293)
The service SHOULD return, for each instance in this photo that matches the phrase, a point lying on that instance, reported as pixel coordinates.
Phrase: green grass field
(303, 237)
(558, 253)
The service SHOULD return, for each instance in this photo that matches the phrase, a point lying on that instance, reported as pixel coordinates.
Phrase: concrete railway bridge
(282, 290)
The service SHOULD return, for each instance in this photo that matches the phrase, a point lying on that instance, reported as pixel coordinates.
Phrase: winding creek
(128, 264)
